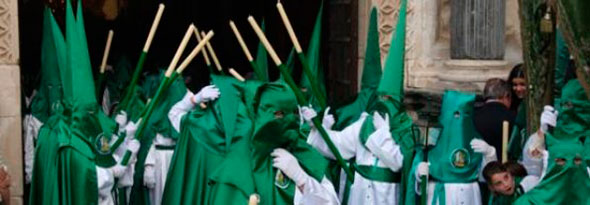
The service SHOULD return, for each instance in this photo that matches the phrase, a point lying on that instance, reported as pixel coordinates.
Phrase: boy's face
(502, 183)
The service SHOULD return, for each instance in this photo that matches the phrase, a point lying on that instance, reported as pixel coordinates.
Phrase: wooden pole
(505, 141)
(236, 75)
(107, 49)
(205, 55)
(213, 55)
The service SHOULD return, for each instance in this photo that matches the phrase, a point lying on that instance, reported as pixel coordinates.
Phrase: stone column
(10, 109)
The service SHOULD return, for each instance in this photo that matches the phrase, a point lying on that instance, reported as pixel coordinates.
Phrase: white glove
(206, 94)
(422, 170)
(328, 120)
(121, 119)
(118, 170)
(130, 130)
(287, 163)
(307, 113)
(482, 147)
(149, 177)
(380, 122)
(133, 145)
(548, 118)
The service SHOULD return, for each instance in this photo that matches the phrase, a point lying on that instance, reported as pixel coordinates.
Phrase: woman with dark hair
(518, 137)
(517, 82)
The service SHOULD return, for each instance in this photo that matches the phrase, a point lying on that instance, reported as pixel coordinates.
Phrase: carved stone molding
(9, 51)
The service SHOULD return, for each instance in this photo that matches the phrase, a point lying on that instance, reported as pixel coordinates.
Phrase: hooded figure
(78, 165)
(566, 180)
(206, 136)
(453, 165)
(157, 147)
(46, 102)
(276, 164)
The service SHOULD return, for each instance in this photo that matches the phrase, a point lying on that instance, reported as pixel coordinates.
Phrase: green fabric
(79, 85)
(202, 145)
(378, 174)
(573, 22)
(290, 65)
(452, 160)
(253, 157)
(519, 134)
(562, 61)
(573, 121)
(394, 63)
(314, 58)
(76, 170)
(372, 72)
(562, 184)
(49, 93)
(456, 119)
(117, 80)
(261, 58)
(44, 184)
(159, 124)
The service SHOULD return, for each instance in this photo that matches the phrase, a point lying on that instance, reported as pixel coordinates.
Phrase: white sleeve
(345, 141)
(127, 179)
(180, 109)
(532, 157)
(105, 181)
(485, 160)
(149, 175)
(529, 182)
(316, 193)
(31, 126)
(382, 145)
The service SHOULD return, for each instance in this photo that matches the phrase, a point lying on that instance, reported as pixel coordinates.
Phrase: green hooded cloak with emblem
(451, 160)
(276, 126)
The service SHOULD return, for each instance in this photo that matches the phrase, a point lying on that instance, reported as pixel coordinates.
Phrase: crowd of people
(254, 141)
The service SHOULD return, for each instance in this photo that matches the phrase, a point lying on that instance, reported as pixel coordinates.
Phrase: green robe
(205, 138)
(252, 155)
(451, 160)
(562, 184)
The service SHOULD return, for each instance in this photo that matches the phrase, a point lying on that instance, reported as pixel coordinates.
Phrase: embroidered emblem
(281, 181)
(460, 158)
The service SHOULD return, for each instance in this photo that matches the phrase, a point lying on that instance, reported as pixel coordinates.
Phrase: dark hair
(496, 88)
(515, 169)
(516, 72)
(493, 168)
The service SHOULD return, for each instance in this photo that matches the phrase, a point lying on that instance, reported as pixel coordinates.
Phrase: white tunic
(156, 167)
(31, 126)
(382, 151)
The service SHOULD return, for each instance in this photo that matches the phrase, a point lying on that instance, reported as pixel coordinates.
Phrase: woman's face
(519, 87)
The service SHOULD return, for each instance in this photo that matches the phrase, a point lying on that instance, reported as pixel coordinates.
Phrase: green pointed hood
(452, 160)
(566, 183)
(50, 89)
(79, 83)
(393, 77)
(314, 56)
(261, 58)
(573, 120)
(372, 72)
(365, 99)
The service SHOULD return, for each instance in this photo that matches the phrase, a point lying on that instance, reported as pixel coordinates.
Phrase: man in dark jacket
(488, 118)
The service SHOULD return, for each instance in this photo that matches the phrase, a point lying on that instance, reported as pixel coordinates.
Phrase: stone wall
(429, 67)
(10, 110)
